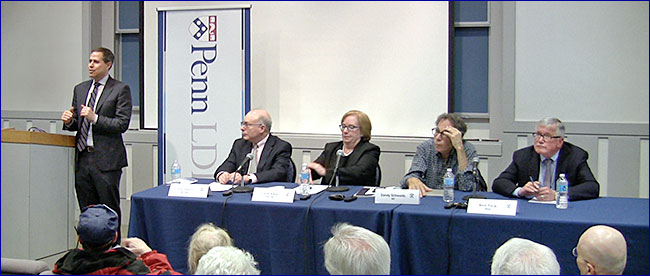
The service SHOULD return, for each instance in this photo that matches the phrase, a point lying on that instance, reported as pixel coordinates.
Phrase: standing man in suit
(100, 113)
(271, 154)
(546, 160)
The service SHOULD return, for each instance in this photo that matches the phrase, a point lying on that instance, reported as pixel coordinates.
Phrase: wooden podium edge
(28, 137)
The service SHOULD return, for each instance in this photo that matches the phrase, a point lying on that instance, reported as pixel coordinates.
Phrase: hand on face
(454, 135)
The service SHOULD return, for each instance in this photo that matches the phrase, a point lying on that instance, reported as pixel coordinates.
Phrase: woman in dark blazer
(358, 164)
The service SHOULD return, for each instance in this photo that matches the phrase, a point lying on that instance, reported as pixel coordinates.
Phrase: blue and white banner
(204, 86)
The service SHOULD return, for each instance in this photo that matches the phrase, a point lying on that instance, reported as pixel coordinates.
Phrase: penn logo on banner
(204, 28)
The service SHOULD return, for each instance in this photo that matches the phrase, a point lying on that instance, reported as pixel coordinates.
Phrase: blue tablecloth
(274, 233)
(425, 239)
(428, 239)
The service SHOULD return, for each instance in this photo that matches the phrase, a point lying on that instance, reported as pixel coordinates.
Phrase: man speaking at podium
(269, 155)
(100, 113)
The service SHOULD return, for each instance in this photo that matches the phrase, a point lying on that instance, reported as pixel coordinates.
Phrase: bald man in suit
(272, 157)
(100, 113)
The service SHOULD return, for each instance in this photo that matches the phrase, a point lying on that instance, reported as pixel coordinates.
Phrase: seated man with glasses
(358, 164)
(545, 160)
(270, 155)
(446, 149)
(601, 250)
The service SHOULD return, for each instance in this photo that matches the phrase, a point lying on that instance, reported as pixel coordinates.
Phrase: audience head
(97, 228)
(523, 257)
(355, 126)
(205, 238)
(549, 136)
(227, 260)
(443, 143)
(355, 250)
(256, 125)
(601, 250)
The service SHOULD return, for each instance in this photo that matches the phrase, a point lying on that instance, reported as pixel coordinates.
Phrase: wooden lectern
(38, 201)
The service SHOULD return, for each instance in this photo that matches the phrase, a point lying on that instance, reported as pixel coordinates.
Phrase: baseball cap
(97, 225)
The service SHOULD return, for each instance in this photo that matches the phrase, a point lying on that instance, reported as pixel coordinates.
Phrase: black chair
(291, 174)
(378, 183)
(482, 185)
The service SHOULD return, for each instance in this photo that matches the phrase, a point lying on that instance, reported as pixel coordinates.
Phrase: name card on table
(189, 190)
(492, 206)
(273, 194)
(397, 196)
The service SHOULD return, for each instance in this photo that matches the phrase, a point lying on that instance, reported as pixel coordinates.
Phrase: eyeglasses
(435, 131)
(544, 137)
(350, 127)
(247, 125)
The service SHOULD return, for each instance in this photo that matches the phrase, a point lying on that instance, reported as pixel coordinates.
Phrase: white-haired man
(227, 260)
(520, 256)
(354, 250)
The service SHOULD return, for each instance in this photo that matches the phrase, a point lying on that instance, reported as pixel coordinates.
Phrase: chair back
(378, 183)
(291, 174)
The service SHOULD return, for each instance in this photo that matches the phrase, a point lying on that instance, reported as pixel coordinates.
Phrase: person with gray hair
(227, 260)
(548, 157)
(601, 250)
(446, 149)
(270, 155)
(206, 237)
(520, 256)
(354, 250)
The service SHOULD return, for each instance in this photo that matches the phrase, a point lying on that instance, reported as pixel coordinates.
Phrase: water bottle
(304, 180)
(448, 185)
(176, 170)
(562, 186)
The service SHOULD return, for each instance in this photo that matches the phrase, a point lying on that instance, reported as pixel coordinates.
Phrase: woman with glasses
(359, 160)
(447, 149)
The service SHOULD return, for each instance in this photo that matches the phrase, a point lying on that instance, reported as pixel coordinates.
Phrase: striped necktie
(85, 123)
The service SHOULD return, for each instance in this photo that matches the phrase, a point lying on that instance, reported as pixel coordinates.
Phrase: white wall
(313, 61)
(582, 61)
(42, 55)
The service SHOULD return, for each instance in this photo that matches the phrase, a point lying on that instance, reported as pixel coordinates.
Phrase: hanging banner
(204, 86)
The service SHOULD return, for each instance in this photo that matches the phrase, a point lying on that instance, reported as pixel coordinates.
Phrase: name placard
(492, 206)
(272, 194)
(397, 196)
(188, 190)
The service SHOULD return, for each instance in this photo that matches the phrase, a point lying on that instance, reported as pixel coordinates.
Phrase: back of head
(97, 227)
(523, 257)
(354, 250)
(205, 238)
(605, 248)
(227, 260)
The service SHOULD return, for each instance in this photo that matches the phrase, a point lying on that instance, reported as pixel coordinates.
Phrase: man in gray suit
(100, 113)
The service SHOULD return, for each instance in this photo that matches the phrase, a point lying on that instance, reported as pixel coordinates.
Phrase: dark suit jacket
(572, 161)
(272, 166)
(114, 111)
(359, 168)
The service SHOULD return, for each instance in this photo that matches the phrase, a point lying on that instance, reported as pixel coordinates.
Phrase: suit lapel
(268, 147)
(105, 94)
(534, 165)
(561, 160)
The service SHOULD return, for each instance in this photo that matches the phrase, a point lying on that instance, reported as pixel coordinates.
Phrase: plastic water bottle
(176, 170)
(304, 180)
(562, 186)
(448, 185)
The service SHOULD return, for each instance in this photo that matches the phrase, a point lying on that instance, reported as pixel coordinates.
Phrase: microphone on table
(337, 188)
(475, 172)
(241, 188)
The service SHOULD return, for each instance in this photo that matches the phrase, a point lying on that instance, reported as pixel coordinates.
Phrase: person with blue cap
(98, 231)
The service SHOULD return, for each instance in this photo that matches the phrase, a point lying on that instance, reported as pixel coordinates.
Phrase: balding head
(601, 250)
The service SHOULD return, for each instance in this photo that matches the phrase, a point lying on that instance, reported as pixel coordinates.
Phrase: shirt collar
(263, 141)
(554, 157)
(102, 81)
